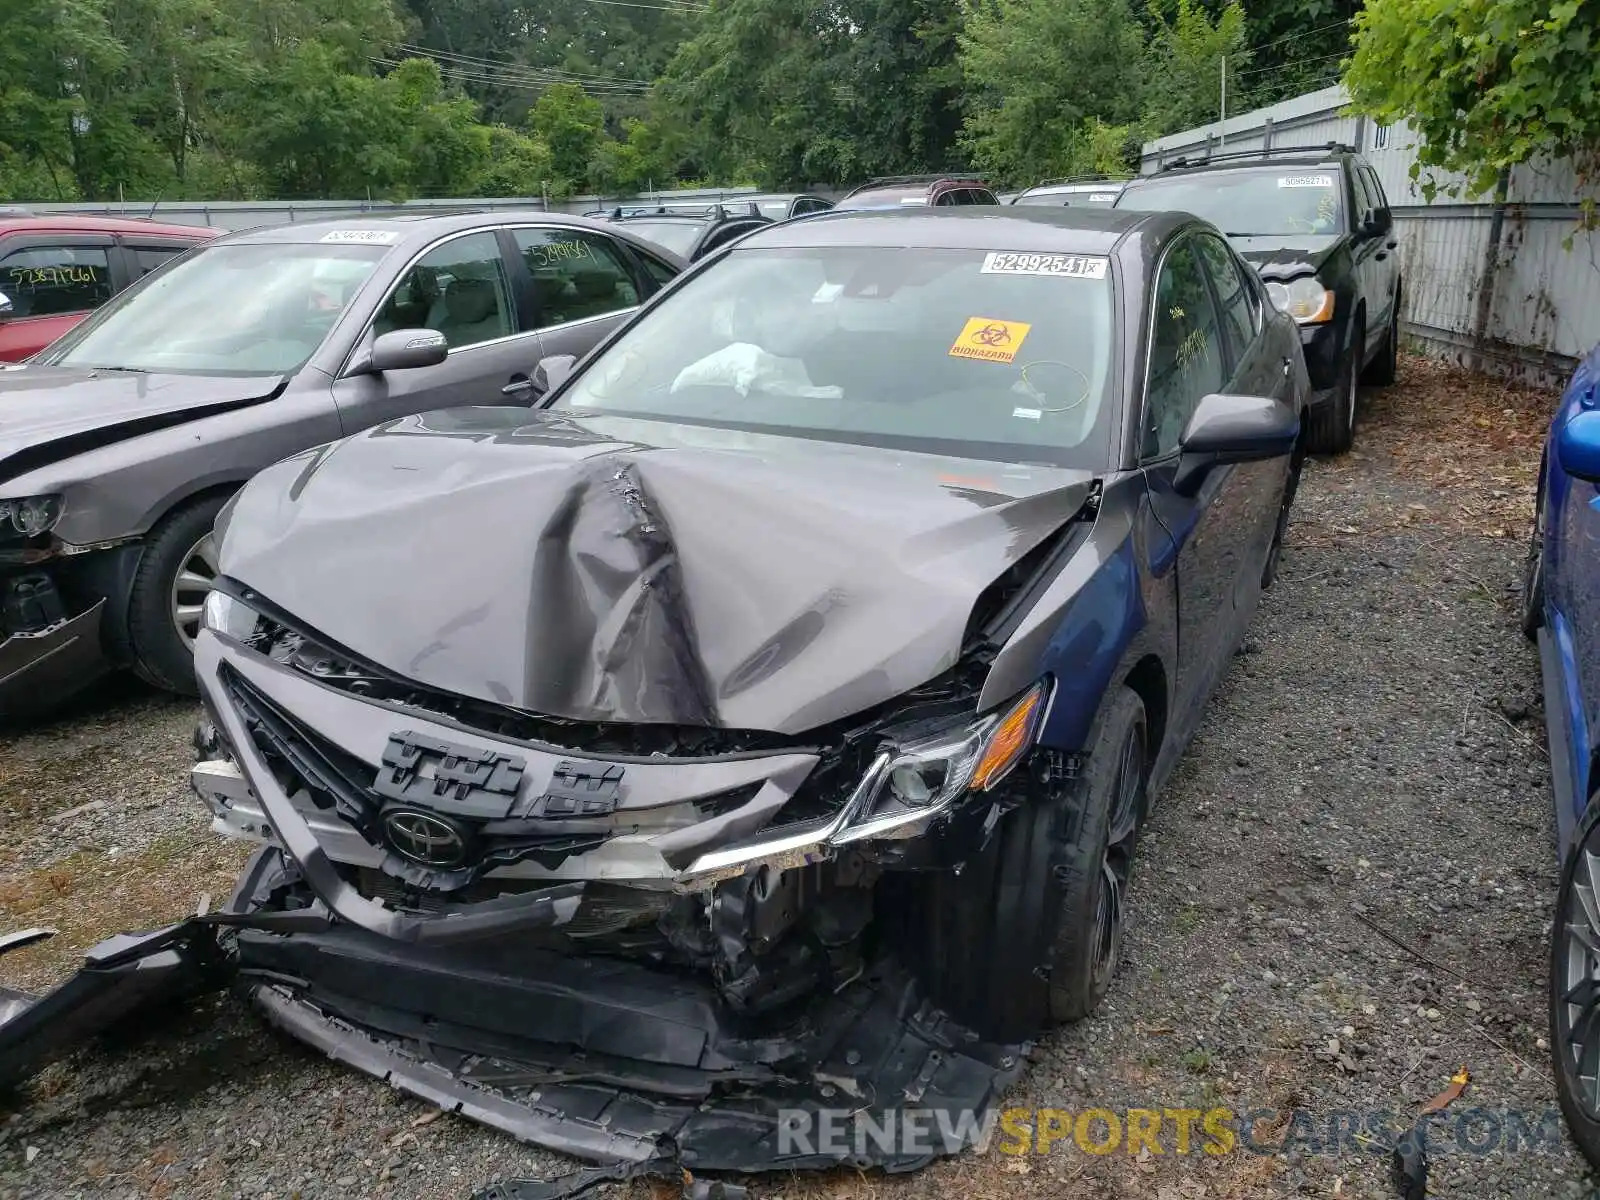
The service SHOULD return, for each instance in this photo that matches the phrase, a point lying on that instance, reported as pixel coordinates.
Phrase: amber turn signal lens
(1009, 741)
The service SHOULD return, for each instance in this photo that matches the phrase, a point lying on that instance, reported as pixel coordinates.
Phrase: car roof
(988, 227)
(410, 229)
(62, 223)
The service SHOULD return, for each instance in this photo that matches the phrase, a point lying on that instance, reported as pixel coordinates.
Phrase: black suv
(1315, 223)
(691, 231)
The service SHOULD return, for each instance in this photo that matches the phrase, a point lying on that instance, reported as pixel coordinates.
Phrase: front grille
(301, 760)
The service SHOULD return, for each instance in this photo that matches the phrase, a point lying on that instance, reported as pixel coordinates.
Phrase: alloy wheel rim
(197, 571)
(1117, 861)
(1578, 1008)
(1533, 575)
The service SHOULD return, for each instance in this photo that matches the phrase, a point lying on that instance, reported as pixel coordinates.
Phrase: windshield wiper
(124, 370)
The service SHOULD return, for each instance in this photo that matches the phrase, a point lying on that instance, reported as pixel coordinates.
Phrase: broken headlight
(934, 769)
(1304, 299)
(29, 516)
(231, 617)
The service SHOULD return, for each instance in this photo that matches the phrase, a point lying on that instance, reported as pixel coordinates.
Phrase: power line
(556, 74)
(532, 85)
(1302, 33)
(677, 8)
(1287, 66)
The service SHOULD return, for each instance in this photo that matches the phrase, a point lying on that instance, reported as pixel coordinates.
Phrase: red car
(55, 270)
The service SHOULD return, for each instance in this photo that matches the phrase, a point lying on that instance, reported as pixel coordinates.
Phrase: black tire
(1015, 942)
(161, 656)
(1381, 371)
(1532, 616)
(1575, 1041)
(1291, 488)
(1331, 429)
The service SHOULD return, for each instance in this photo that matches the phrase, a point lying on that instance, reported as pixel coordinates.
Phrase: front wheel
(1575, 987)
(176, 572)
(1331, 429)
(1030, 932)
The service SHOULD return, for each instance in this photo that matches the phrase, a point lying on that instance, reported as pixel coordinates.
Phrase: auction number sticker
(1069, 266)
(990, 340)
(1316, 181)
(368, 237)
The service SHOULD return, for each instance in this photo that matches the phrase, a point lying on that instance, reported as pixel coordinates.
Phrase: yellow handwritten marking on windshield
(551, 253)
(990, 340)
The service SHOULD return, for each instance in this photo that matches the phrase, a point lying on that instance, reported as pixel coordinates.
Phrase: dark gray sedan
(121, 442)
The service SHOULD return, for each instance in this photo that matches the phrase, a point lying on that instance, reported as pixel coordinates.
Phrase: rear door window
(577, 274)
(44, 280)
(147, 258)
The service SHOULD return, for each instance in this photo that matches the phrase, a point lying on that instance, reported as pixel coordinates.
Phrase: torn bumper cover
(613, 1062)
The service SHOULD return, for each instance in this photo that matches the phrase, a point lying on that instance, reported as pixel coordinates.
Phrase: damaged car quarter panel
(764, 724)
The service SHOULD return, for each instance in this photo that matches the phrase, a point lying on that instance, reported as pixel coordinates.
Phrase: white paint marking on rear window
(1317, 181)
(370, 237)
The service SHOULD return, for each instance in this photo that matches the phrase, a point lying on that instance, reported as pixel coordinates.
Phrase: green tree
(1184, 61)
(1488, 84)
(572, 124)
(515, 165)
(1036, 71)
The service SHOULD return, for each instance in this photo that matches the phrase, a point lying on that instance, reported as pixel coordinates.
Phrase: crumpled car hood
(50, 413)
(622, 570)
(1286, 257)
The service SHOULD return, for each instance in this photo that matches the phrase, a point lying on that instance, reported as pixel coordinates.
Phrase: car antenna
(151, 214)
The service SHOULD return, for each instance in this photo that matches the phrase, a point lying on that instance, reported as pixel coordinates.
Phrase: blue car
(1561, 611)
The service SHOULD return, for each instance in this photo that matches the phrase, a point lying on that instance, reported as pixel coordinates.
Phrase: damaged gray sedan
(763, 724)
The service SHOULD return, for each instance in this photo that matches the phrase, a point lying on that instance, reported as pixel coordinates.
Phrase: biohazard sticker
(990, 340)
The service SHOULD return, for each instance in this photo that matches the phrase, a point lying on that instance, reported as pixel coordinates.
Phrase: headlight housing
(29, 516)
(933, 771)
(230, 616)
(1304, 299)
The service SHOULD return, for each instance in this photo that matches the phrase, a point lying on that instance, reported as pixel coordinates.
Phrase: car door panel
(462, 288)
(1186, 361)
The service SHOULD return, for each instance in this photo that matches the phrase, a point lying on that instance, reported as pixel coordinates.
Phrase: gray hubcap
(196, 573)
(1578, 972)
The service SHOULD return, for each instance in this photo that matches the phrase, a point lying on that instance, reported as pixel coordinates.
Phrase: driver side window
(458, 289)
(1186, 356)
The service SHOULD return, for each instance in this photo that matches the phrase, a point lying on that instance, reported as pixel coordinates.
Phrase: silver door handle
(516, 387)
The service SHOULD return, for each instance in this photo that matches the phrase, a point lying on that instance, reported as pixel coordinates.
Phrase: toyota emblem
(425, 839)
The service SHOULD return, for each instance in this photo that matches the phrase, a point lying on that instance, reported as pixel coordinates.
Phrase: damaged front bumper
(616, 1063)
(542, 997)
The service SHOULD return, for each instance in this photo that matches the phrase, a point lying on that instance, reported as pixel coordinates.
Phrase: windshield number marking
(1306, 181)
(370, 237)
(1068, 266)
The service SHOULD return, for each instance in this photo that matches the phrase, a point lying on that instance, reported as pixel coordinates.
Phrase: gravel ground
(1342, 899)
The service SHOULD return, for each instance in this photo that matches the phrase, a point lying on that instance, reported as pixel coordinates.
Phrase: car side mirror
(7, 309)
(1233, 429)
(552, 372)
(1578, 446)
(405, 349)
(1377, 222)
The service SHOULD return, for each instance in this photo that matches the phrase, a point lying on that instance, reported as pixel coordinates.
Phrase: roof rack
(1044, 183)
(892, 180)
(1234, 155)
(716, 210)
